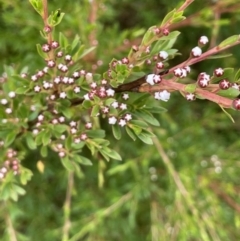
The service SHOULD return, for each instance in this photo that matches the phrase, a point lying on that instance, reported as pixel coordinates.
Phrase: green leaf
(130, 133)
(147, 116)
(148, 36)
(117, 133)
(230, 93)
(55, 18)
(30, 141)
(145, 138)
(37, 5)
(95, 110)
(111, 153)
(67, 163)
(40, 51)
(139, 123)
(82, 160)
(155, 109)
(95, 133)
(46, 138)
(86, 52)
(63, 41)
(25, 175)
(10, 138)
(219, 56)
(168, 17)
(190, 88)
(44, 151)
(229, 41)
(237, 76)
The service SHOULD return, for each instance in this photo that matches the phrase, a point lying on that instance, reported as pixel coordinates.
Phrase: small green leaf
(148, 36)
(67, 163)
(111, 153)
(55, 18)
(230, 93)
(95, 110)
(63, 41)
(168, 17)
(145, 138)
(37, 5)
(86, 52)
(190, 88)
(237, 76)
(139, 123)
(229, 41)
(40, 51)
(46, 138)
(147, 116)
(44, 151)
(25, 175)
(82, 160)
(130, 133)
(30, 141)
(95, 133)
(155, 109)
(10, 138)
(117, 133)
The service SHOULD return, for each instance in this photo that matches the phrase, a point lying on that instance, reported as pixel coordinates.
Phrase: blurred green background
(183, 188)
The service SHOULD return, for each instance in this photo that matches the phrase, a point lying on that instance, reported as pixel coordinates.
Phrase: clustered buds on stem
(11, 163)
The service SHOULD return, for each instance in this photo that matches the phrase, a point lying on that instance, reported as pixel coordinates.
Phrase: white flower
(76, 74)
(11, 94)
(196, 52)
(68, 57)
(218, 72)
(62, 137)
(65, 80)
(112, 120)
(163, 54)
(122, 122)
(61, 119)
(162, 95)
(125, 96)
(57, 80)
(40, 118)
(73, 130)
(150, 79)
(93, 85)
(115, 104)
(128, 117)
(76, 89)
(110, 92)
(34, 77)
(35, 132)
(37, 88)
(203, 40)
(178, 72)
(77, 140)
(63, 95)
(123, 106)
(73, 123)
(190, 97)
(86, 97)
(8, 110)
(4, 101)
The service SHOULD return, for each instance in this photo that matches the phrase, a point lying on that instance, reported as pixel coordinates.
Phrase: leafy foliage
(79, 103)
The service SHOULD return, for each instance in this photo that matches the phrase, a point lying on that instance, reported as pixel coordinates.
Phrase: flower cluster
(11, 163)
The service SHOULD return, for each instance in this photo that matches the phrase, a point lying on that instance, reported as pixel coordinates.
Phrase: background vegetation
(185, 187)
